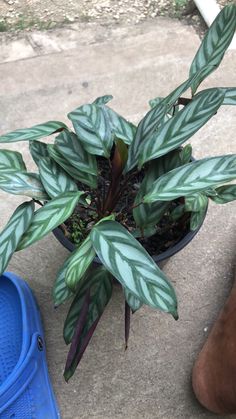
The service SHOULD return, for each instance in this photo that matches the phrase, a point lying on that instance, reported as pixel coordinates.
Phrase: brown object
(214, 373)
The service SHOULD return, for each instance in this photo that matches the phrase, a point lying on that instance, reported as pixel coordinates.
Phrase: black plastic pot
(161, 259)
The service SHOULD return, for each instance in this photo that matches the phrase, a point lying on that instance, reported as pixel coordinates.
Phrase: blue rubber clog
(25, 388)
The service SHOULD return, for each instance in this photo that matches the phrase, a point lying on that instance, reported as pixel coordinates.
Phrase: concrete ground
(43, 76)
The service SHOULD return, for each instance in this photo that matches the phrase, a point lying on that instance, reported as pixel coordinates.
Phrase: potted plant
(120, 194)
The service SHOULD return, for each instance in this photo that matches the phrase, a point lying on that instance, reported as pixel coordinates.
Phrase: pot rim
(69, 245)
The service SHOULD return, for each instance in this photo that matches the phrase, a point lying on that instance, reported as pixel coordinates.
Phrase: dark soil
(168, 232)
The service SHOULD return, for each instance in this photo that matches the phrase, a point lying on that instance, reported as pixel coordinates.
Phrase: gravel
(27, 15)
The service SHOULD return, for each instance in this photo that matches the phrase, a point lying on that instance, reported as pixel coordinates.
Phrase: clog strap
(23, 376)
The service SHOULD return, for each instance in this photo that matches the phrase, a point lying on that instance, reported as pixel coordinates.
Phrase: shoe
(25, 388)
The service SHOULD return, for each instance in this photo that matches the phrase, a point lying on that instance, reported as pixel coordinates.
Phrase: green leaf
(150, 214)
(102, 100)
(11, 160)
(154, 102)
(134, 303)
(33, 133)
(54, 179)
(224, 194)
(70, 147)
(61, 292)
(196, 202)
(183, 125)
(197, 219)
(38, 150)
(22, 183)
(79, 262)
(230, 96)
(82, 177)
(193, 177)
(13, 231)
(50, 216)
(99, 282)
(177, 212)
(122, 129)
(132, 266)
(214, 45)
(153, 119)
(146, 127)
(93, 129)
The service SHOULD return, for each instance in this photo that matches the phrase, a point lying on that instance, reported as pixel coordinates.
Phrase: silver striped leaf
(38, 150)
(99, 282)
(103, 100)
(33, 133)
(134, 302)
(123, 129)
(54, 179)
(177, 212)
(61, 292)
(196, 202)
(93, 129)
(11, 234)
(11, 160)
(214, 45)
(224, 194)
(230, 96)
(197, 219)
(82, 177)
(79, 262)
(150, 214)
(153, 119)
(146, 127)
(48, 217)
(183, 125)
(22, 183)
(193, 177)
(132, 266)
(69, 146)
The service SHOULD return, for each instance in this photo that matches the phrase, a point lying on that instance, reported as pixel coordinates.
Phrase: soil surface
(164, 235)
(27, 15)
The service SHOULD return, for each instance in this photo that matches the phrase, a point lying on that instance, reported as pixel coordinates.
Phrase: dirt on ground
(18, 15)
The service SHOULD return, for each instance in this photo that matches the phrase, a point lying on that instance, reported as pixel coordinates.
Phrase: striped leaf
(177, 212)
(230, 96)
(197, 219)
(79, 262)
(224, 194)
(154, 118)
(102, 100)
(146, 127)
(33, 133)
(183, 125)
(11, 160)
(22, 183)
(122, 129)
(93, 129)
(134, 302)
(196, 202)
(193, 177)
(54, 179)
(70, 147)
(150, 214)
(214, 45)
(99, 282)
(38, 150)
(82, 177)
(48, 217)
(132, 266)
(13, 231)
(97, 295)
(61, 292)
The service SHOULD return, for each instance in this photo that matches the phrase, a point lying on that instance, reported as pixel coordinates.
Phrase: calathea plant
(112, 186)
